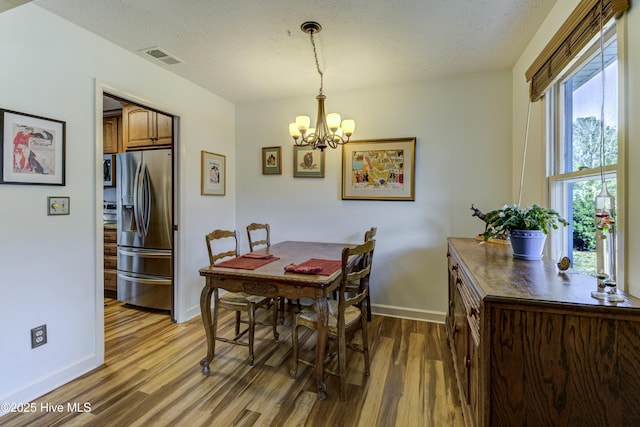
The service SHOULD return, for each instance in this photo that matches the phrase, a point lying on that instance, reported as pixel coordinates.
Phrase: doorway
(138, 205)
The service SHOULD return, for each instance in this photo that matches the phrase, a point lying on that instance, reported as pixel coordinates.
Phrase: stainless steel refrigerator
(145, 228)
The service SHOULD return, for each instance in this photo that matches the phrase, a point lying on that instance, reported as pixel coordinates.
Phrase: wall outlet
(38, 336)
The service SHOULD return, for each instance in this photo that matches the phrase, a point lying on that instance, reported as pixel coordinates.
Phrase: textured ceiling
(248, 50)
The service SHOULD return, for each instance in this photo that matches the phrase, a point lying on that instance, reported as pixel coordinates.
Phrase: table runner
(323, 267)
(247, 262)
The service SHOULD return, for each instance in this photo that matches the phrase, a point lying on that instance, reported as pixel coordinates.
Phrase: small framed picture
(32, 149)
(307, 162)
(213, 181)
(271, 160)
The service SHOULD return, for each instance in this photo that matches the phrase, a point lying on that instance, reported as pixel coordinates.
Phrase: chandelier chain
(315, 54)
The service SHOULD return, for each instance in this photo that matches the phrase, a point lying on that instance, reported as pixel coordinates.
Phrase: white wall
(50, 268)
(632, 235)
(535, 189)
(463, 156)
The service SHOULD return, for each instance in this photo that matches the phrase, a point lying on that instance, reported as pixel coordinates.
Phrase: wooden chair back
(370, 234)
(352, 286)
(226, 248)
(259, 235)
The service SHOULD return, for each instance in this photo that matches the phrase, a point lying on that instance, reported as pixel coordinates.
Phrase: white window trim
(556, 181)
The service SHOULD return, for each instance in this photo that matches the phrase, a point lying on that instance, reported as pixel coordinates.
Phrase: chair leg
(368, 308)
(237, 322)
(294, 335)
(342, 363)
(275, 321)
(251, 309)
(365, 345)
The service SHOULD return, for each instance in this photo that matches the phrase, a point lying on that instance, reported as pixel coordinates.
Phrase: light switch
(58, 205)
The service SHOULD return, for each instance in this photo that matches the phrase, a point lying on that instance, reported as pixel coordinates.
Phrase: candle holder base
(606, 296)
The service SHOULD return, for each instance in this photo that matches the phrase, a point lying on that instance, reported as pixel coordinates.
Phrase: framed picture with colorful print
(379, 169)
(32, 149)
(271, 160)
(307, 162)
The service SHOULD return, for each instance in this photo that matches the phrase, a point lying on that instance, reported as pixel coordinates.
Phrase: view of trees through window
(583, 98)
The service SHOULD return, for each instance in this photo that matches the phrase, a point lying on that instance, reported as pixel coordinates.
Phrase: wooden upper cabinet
(143, 128)
(111, 133)
(164, 129)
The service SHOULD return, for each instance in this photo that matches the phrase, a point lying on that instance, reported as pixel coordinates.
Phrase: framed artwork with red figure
(32, 149)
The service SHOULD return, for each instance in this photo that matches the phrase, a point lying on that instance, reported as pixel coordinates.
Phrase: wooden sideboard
(530, 345)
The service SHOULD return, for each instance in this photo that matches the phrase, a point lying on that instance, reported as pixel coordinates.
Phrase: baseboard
(408, 313)
(50, 383)
(379, 309)
(189, 314)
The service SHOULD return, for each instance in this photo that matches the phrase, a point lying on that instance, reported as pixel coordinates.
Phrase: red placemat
(324, 267)
(246, 263)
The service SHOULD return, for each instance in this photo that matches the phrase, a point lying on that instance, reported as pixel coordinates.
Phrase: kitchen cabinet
(531, 347)
(112, 135)
(110, 260)
(144, 128)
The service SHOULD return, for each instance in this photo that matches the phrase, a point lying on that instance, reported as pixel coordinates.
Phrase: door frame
(101, 88)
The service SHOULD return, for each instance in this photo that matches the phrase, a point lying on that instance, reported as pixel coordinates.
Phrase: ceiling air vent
(161, 55)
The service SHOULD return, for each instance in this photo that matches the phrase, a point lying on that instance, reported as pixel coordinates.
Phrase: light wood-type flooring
(152, 377)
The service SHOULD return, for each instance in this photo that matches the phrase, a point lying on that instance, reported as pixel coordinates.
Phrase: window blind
(580, 27)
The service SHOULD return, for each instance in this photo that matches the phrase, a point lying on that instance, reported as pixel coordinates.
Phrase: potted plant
(527, 228)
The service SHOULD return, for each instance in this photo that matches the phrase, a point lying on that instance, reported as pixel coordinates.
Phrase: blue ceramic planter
(527, 244)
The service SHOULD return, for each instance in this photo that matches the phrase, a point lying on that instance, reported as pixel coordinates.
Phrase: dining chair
(259, 235)
(354, 287)
(346, 316)
(223, 244)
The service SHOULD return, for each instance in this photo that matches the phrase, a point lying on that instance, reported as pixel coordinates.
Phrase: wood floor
(152, 377)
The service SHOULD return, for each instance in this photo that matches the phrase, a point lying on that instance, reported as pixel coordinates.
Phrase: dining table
(273, 280)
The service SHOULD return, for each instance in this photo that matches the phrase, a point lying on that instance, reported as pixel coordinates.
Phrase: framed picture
(32, 149)
(271, 160)
(307, 162)
(212, 175)
(380, 169)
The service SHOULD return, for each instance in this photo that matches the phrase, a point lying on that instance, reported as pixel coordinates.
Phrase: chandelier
(329, 132)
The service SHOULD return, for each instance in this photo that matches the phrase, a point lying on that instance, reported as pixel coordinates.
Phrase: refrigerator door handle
(142, 199)
(145, 254)
(145, 280)
(146, 198)
(136, 198)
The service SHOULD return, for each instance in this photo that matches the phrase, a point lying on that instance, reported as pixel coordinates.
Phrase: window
(574, 114)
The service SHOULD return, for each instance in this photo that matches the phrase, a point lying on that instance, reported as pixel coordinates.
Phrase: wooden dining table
(271, 280)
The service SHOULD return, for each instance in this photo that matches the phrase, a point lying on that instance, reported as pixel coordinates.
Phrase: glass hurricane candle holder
(605, 222)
